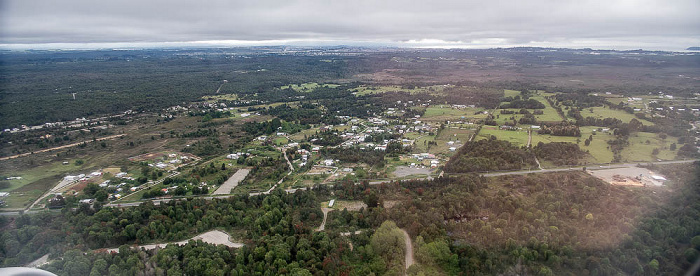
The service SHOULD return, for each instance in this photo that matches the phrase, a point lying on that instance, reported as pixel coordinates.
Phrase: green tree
(91, 189)
(101, 195)
(372, 200)
(99, 267)
(389, 243)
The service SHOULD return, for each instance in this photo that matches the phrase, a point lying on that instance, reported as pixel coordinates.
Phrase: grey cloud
(516, 22)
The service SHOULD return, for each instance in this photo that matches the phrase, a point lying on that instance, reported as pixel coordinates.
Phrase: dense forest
(489, 155)
(112, 81)
(554, 224)
(560, 153)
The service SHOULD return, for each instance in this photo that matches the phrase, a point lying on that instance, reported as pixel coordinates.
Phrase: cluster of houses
(82, 176)
(172, 161)
(235, 156)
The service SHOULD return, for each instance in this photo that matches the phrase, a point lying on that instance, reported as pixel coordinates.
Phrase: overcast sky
(607, 24)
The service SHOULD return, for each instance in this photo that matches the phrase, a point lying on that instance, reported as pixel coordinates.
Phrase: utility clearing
(213, 237)
(232, 182)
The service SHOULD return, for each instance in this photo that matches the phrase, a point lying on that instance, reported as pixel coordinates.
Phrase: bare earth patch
(213, 237)
(403, 171)
(628, 176)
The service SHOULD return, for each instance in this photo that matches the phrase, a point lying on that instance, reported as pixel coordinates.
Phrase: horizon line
(411, 44)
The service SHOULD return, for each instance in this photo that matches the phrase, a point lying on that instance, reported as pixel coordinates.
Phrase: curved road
(409, 250)
(325, 216)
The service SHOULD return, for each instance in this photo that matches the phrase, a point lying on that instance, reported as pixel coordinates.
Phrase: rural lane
(325, 216)
(60, 147)
(409, 250)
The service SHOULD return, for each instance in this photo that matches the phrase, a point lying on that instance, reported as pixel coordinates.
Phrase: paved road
(292, 190)
(613, 166)
(60, 147)
(61, 185)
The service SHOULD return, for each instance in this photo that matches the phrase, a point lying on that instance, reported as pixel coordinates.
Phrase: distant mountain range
(693, 49)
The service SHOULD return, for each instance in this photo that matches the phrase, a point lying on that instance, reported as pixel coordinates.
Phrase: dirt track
(214, 237)
(61, 147)
(325, 216)
(409, 250)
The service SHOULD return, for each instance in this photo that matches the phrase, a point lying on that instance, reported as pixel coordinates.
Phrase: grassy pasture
(367, 90)
(280, 141)
(224, 97)
(604, 112)
(35, 174)
(550, 114)
(307, 87)
(510, 93)
(517, 137)
(640, 150)
(450, 134)
(447, 113)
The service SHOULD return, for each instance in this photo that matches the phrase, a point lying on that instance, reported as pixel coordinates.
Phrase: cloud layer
(651, 24)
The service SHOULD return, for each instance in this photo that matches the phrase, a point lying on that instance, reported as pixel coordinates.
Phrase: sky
(607, 24)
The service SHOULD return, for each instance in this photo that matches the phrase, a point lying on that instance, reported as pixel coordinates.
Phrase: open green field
(421, 141)
(42, 172)
(510, 93)
(443, 110)
(598, 149)
(448, 113)
(21, 200)
(224, 97)
(516, 137)
(279, 141)
(641, 150)
(262, 151)
(550, 114)
(604, 112)
(450, 134)
(308, 87)
(546, 138)
(501, 119)
(299, 136)
(617, 100)
(366, 90)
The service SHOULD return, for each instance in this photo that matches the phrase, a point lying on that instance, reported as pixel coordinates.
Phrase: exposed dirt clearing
(403, 171)
(232, 182)
(213, 237)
